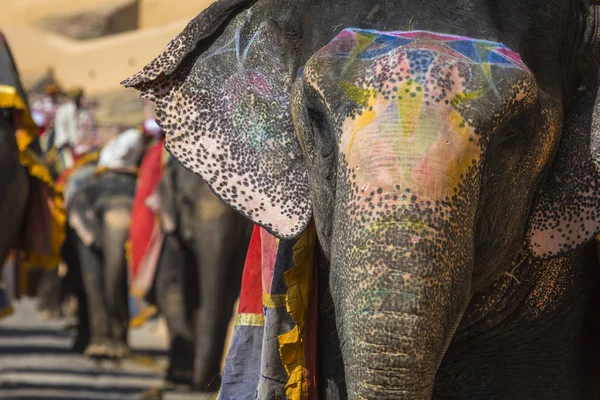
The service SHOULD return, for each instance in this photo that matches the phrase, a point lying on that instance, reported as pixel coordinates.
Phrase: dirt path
(35, 363)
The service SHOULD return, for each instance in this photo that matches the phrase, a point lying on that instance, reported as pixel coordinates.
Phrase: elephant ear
(566, 213)
(222, 89)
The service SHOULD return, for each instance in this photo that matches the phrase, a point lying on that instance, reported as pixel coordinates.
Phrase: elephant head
(428, 160)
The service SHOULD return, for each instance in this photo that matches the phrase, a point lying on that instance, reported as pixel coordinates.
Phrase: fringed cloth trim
(273, 300)
(292, 344)
(248, 319)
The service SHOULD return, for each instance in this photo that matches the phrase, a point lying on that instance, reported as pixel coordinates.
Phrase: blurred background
(89, 45)
(92, 44)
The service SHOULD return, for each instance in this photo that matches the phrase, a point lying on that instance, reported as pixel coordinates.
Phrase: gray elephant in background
(99, 214)
(449, 153)
(199, 275)
(14, 180)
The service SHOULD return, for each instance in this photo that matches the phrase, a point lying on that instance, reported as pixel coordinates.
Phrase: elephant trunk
(400, 287)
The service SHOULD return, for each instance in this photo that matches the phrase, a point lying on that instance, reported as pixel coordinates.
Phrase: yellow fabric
(35, 166)
(291, 344)
(142, 317)
(273, 300)
(250, 320)
(30, 160)
(124, 170)
(137, 293)
(9, 98)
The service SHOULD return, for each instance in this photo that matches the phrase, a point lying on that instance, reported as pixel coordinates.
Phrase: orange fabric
(142, 216)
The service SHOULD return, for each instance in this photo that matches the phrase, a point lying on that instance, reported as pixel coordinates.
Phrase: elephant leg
(170, 298)
(116, 229)
(73, 283)
(49, 294)
(93, 278)
(221, 248)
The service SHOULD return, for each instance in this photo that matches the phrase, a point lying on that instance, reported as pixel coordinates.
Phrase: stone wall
(96, 64)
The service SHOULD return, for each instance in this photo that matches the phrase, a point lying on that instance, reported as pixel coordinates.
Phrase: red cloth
(251, 292)
(142, 216)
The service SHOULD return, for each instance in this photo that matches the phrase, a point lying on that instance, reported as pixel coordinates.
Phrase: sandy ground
(35, 363)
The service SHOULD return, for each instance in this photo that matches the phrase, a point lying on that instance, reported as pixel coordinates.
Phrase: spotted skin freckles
(227, 118)
(567, 213)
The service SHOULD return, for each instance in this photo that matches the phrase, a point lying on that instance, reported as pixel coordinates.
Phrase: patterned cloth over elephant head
(274, 344)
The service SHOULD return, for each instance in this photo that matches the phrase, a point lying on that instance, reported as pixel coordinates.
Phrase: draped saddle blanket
(145, 236)
(272, 354)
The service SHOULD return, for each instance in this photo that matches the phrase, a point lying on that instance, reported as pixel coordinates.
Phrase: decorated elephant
(198, 275)
(98, 199)
(449, 155)
(100, 217)
(30, 209)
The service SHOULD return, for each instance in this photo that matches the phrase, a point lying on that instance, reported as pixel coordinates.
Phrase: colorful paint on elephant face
(410, 90)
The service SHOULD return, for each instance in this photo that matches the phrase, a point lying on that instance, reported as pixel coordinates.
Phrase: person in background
(73, 128)
(43, 112)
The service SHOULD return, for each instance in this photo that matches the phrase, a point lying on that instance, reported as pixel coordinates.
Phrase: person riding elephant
(448, 154)
(34, 221)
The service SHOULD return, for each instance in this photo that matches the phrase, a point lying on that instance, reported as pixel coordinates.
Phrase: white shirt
(124, 150)
(71, 126)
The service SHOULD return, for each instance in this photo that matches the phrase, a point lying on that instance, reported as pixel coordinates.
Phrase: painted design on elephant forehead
(408, 129)
(364, 44)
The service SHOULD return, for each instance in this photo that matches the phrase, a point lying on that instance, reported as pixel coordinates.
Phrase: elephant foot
(113, 350)
(177, 376)
(70, 307)
(50, 314)
(80, 345)
(181, 362)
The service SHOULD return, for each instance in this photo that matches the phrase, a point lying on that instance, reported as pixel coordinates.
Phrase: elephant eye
(512, 134)
(321, 130)
(518, 130)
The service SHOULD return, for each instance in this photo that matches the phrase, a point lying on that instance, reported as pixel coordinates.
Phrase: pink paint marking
(511, 55)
